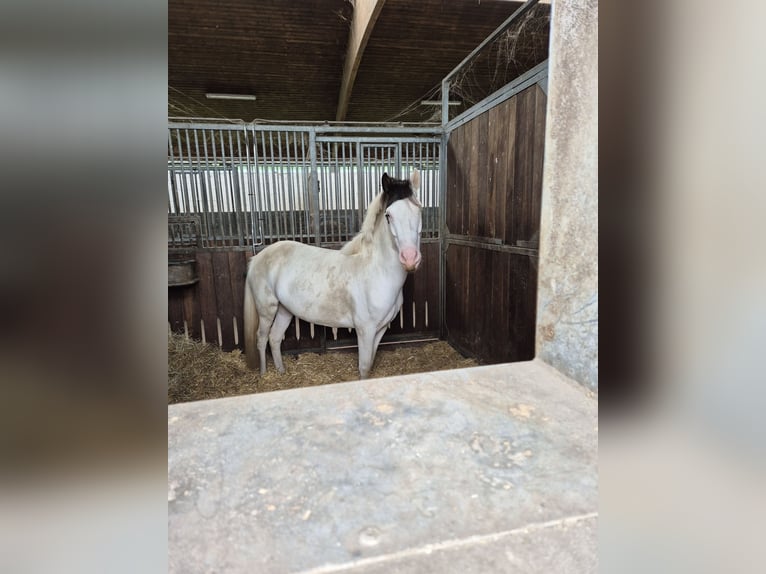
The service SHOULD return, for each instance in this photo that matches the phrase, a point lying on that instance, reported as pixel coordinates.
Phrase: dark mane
(396, 189)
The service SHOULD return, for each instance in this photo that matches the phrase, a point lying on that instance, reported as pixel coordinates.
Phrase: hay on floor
(198, 371)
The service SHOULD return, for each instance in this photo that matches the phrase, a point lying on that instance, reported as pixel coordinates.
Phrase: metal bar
(256, 206)
(377, 140)
(512, 88)
(360, 183)
(484, 244)
(491, 38)
(183, 177)
(250, 187)
(263, 193)
(271, 194)
(399, 128)
(226, 178)
(219, 192)
(294, 195)
(322, 204)
(239, 187)
(445, 102)
(173, 196)
(307, 189)
(195, 202)
(337, 191)
(281, 185)
(314, 183)
(348, 209)
(442, 231)
(211, 236)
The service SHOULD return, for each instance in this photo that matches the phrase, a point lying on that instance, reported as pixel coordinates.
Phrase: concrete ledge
(474, 470)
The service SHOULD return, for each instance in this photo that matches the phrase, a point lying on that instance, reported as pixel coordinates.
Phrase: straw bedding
(198, 371)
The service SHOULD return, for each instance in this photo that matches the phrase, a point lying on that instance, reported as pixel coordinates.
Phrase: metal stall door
(280, 186)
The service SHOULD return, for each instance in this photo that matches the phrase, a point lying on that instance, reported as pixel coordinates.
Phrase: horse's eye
(388, 217)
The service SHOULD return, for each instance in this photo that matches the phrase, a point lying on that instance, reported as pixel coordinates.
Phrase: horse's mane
(365, 235)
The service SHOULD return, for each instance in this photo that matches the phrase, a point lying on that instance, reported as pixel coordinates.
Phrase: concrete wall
(567, 303)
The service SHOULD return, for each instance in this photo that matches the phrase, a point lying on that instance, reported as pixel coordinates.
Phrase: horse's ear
(415, 180)
(385, 181)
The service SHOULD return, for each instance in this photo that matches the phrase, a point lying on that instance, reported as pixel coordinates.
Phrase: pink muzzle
(410, 258)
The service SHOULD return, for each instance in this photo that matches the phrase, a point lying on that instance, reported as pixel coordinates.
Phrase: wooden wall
(494, 185)
(218, 299)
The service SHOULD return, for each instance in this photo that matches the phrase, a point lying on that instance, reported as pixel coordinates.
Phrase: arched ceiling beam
(366, 13)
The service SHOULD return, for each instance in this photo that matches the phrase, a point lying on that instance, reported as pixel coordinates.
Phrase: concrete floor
(489, 469)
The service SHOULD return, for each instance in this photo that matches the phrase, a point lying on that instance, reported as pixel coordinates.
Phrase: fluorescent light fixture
(248, 97)
(438, 103)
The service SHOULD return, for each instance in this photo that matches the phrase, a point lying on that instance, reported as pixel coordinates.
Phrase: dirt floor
(198, 371)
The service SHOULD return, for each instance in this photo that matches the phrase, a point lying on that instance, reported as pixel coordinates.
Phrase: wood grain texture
(494, 185)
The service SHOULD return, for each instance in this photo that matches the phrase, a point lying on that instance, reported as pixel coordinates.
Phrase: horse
(358, 286)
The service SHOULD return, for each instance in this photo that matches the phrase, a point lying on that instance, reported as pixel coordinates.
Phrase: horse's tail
(251, 327)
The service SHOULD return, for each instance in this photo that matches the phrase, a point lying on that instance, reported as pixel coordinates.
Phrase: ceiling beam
(366, 13)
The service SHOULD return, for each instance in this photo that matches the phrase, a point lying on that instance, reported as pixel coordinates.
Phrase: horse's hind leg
(267, 311)
(276, 335)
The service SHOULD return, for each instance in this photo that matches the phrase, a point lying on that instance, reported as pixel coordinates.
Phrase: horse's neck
(385, 253)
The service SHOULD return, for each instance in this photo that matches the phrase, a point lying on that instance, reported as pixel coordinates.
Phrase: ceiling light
(438, 103)
(248, 97)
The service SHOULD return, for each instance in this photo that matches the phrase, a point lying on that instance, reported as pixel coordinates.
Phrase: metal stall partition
(253, 185)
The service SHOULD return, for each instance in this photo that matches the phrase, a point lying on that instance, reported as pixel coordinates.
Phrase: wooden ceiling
(290, 54)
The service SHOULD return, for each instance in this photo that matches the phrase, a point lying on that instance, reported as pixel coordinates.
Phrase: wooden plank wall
(215, 304)
(494, 186)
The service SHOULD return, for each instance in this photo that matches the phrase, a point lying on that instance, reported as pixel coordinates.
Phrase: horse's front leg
(366, 342)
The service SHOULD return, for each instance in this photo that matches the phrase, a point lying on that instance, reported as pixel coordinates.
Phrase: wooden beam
(366, 13)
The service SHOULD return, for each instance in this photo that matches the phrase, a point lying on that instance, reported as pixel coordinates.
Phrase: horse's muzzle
(410, 258)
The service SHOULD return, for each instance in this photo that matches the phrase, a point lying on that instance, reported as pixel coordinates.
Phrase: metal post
(314, 183)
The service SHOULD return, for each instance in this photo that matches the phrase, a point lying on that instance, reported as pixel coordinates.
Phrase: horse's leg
(378, 337)
(366, 341)
(277, 334)
(267, 310)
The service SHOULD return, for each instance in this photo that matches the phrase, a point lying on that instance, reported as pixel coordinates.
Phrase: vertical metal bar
(325, 196)
(184, 196)
(202, 190)
(208, 196)
(263, 192)
(195, 187)
(445, 102)
(218, 190)
(306, 179)
(271, 193)
(239, 189)
(251, 186)
(360, 182)
(225, 179)
(337, 192)
(294, 181)
(442, 229)
(348, 208)
(228, 178)
(173, 195)
(281, 185)
(314, 184)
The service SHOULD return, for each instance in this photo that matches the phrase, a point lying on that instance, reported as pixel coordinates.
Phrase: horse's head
(403, 217)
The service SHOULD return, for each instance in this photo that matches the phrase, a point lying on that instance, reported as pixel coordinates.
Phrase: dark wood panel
(237, 269)
(206, 294)
(493, 193)
(191, 311)
(482, 179)
(224, 299)
(491, 300)
(176, 309)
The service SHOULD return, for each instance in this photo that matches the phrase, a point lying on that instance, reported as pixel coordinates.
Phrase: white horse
(359, 286)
